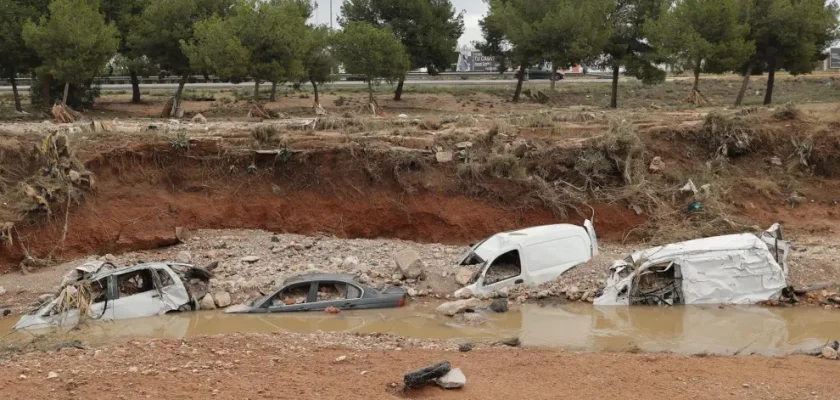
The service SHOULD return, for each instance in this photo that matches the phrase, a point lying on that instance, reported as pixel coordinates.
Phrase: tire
(423, 376)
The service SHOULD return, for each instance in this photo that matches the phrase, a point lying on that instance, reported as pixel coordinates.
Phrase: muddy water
(711, 329)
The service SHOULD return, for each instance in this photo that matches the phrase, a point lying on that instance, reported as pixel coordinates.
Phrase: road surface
(250, 85)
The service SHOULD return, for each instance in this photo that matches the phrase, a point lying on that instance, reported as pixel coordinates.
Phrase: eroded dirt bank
(289, 366)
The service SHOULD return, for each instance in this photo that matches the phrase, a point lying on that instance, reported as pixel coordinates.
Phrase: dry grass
(725, 135)
(505, 166)
(764, 187)
(266, 134)
(537, 120)
(787, 112)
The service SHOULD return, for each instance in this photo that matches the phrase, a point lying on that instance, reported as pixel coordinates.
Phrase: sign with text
(481, 63)
(834, 58)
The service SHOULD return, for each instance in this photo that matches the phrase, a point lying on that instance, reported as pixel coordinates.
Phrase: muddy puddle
(577, 327)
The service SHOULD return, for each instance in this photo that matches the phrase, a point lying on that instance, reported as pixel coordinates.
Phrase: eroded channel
(576, 327)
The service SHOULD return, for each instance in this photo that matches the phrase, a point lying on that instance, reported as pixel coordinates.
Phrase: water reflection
(710, 329)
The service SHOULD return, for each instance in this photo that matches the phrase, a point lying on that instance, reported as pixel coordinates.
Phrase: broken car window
(165, 278)
(504, 267)
(295, 294)
(99, 290)
(658, 285)
(135, 282)
(328, 291)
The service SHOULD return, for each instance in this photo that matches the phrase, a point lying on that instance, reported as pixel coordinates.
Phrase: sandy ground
(300, 367)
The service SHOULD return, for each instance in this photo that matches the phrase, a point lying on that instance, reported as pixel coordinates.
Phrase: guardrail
(105, 80)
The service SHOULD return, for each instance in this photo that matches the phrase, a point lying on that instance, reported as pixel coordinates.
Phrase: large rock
(829, 353)
(453, 379)
(472, 319)
(207, 303)
(409, 263)
(444, 156)
(222, 299)
(463, 276)
(451, 308)
(184, 257)
(499, 305)
(249, 259)
(183, 234)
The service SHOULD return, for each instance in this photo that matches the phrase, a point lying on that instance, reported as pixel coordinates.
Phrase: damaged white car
(104, 292)
(731, 269)
(528, 256)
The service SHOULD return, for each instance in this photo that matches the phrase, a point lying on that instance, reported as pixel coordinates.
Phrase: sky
(473, 11)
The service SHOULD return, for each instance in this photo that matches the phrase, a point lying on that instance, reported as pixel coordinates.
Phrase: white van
(529, 256)
(731, 269)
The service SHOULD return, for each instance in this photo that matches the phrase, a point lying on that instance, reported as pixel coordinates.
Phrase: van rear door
(590, 229)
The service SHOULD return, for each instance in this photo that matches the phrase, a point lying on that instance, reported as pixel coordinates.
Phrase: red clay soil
(141, 197)
(241, 367)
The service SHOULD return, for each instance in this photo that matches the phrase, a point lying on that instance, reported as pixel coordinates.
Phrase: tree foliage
(74, 43)
(15, 57)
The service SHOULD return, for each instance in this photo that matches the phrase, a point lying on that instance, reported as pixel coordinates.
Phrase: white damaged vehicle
(108, 293)
(731, 269)
(529, 256)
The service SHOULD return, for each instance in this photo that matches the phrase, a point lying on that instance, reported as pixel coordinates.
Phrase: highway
(250, 85)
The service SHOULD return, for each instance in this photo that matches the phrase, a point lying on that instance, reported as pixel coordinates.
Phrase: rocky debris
(222, 299)
(207, 303)
(249, 259)
(511, 341)
(75, 176)
(471, 319)
(453, 379)
(183, 234)
(463, 145)
(332, 310)
(444, 156)
(424, 376)
(829, 353)
(52, 375)
(451, 308)
(184, 257)
(499, 305)
(364, 278)
(656, 164)
(2, 290)
(409, 263)
(340, 358)
(199, 119)
(463, 276)
(465, 347)
(465, 293)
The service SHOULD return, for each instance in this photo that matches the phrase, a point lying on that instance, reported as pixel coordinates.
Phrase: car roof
(741, 241)
(123, 270)
(347, 278)
(526, 237)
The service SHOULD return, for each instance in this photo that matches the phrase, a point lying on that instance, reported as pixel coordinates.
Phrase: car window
(329, 291)
(353, 292)
(294, 294)
(135, 282)
(165, 278)
(506, 266)
(99, 290)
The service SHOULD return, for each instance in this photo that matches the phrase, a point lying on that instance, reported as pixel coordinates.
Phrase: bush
(505, 166)
(79, 96)
(340, 101)
(265, 134)
(787, 112)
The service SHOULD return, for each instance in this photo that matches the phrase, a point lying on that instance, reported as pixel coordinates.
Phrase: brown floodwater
(579, 327)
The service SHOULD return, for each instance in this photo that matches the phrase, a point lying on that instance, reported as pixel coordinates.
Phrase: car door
(338, 294)
(293, 297)
(137, 295)
(504, 270)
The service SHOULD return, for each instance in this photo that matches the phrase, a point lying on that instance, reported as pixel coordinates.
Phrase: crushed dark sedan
(317, 292)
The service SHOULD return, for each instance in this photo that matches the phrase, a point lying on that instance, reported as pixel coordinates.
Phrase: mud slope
(141, 195)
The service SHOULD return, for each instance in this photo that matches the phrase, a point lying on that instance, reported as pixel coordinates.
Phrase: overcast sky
(473, 11)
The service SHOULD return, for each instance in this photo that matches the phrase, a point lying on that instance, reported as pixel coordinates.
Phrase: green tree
(318, 61)
(374, 53)
(263, 40)
(704, 36)
(73, 42)
(628, 47)
(16, 57)
(429, 29)
(788, 34)
(126, 13)
(163, 25)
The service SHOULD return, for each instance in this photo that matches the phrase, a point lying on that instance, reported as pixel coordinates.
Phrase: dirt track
(284, 367)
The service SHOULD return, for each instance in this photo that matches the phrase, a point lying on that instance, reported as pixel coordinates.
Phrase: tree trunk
(744, 84)
(256, 90)
(771, 79)
(273, 91)
(398, 93)
(371, 100)
(177, 100)
(66, 91)
(696, 77)
(553, 79)
(614, 95)
(315, 89)
(13, 81)
(135, 86)
(520, 77)
(45, 91)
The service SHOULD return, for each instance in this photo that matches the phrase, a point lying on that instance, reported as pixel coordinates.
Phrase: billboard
(834, 58)
(481, 63)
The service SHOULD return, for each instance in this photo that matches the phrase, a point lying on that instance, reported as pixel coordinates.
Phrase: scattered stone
(472, 318)
(74, 176)
(465, 293)
(499, 305)
(424, 376)
(199, 119)
(463, 145)
(275, 239)
(183, 234)
(409, 263)
(332, 310)
(444, 156)
(132, 369)
(465, 347)
(340, 358)
(207, 303)
(657, 164)
(745, 385)
(110, 258)
(22, 377)
(349, 263)
(511, 341)
(249, 259)
(184, 257)
(542, 294)
(52, 375)
(463, 276)
(453, 379)
(504, 292)
(411, 292)
(222, 299)
(44, 298)
(776, 161)
(451, 308)
(829, 353)
(364, 278)
(2, 290)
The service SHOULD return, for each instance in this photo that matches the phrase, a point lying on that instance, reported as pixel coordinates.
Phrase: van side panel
(545, 261)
